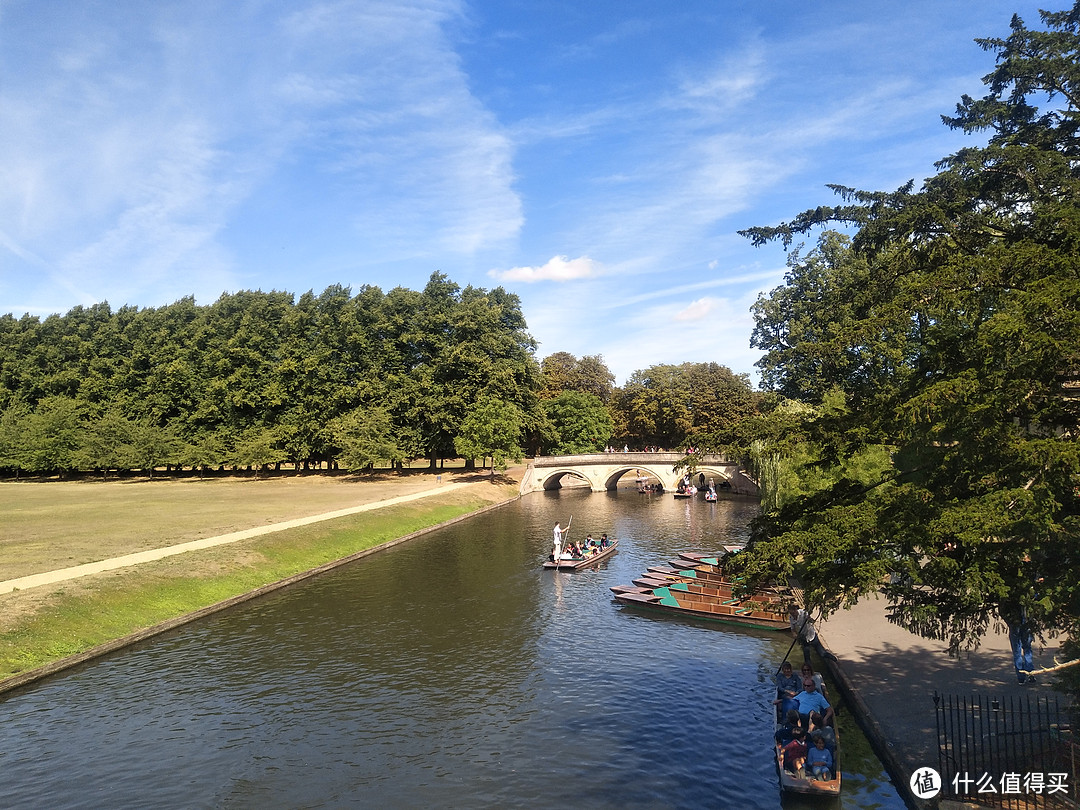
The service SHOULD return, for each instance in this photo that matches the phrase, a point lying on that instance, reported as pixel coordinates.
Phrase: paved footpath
(50, 577)
(895, 674)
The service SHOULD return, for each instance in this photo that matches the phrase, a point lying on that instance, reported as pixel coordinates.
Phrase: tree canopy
(669, 406)
(947, 330)
(580, 423)
(350, 378)
(260, 377)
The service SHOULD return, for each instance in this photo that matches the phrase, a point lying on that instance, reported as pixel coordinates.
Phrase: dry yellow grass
(58, 524)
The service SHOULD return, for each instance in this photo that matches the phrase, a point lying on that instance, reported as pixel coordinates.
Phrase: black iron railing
(1015, 752)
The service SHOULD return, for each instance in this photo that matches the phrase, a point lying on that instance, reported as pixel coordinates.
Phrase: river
(449, 672)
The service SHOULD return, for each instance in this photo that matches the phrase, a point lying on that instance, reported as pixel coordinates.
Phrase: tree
(492, 428)
(951, 326)
(668, 405)
(365, 437)
(54, 435)
(256, 448)
(203, 452)
(581, 423)
(153, 446)
(563, 371)
(107, 443)
(14, 424)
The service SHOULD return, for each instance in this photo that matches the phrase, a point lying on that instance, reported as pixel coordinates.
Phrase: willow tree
(949, 327)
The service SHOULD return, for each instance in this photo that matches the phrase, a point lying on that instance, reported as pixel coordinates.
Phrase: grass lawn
(58, 524)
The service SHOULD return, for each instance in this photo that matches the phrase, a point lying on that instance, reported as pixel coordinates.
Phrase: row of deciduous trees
(358, 379)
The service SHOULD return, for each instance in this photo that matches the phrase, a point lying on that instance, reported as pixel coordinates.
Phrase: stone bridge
(602, 471)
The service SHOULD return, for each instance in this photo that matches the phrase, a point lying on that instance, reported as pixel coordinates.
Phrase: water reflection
(450, 672)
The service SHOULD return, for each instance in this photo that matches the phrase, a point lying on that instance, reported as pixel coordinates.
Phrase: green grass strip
(152, 593)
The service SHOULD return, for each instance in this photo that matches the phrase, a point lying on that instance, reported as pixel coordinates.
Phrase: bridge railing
(630, 459)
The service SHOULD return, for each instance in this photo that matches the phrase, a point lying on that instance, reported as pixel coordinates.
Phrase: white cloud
(558, 268)
(697, 310)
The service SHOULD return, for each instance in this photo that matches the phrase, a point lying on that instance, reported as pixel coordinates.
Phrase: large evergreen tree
(949, 330)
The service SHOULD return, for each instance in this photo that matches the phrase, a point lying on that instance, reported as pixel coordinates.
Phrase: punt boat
(577, 563)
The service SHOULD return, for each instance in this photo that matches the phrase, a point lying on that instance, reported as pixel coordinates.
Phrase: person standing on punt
(802, 627)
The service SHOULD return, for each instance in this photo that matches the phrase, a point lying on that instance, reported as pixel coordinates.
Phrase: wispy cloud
(734, 80)
(123, 170)
(557, 268)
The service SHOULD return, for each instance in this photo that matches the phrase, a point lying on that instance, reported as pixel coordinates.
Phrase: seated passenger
(794, 753)
(604, 542)
(807, 671)
(819, 761)
(814, 709)
(788, 685)
(786, 732)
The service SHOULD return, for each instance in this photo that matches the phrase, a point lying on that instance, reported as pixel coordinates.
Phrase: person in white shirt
(802, 627)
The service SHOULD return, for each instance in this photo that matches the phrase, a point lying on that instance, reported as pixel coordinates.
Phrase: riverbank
(65, 621)
(889, 678)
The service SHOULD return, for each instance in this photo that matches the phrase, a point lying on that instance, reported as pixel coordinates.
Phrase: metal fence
(1015, 752)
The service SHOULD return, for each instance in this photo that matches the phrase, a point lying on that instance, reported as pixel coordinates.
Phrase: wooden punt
(577, 563)
(747, 612)
(690, 574)
(697, 558)
(712, 558)
(769, 599)
(792, 783)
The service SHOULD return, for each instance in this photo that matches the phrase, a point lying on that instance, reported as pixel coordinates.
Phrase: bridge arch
(612, 480)
(718, 474)
(553, 479)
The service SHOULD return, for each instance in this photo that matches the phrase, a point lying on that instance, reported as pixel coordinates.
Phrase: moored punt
(747, 612)
(695, 557)
(701, 557)
(576, 563)
(702, 572)
(769, 599)
(793, 783)
(690, 573)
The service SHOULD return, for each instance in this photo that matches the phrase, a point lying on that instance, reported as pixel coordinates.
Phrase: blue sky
(594, 157)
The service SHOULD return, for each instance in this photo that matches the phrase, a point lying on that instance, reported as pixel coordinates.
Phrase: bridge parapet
(623, 459)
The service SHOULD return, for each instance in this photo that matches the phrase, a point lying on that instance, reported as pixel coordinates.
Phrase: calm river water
(451, 672)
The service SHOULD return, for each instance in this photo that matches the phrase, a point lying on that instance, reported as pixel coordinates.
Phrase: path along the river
(74, 572)
(894, 675)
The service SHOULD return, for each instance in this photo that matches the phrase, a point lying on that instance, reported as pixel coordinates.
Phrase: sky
(596, 158)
